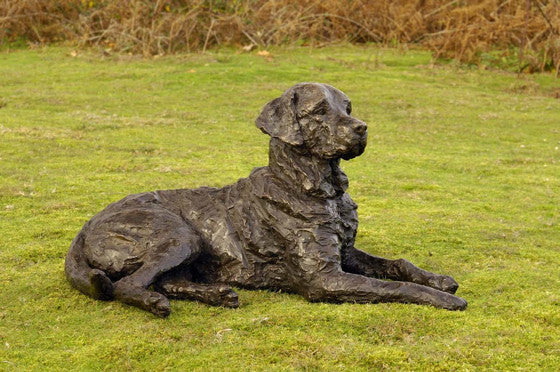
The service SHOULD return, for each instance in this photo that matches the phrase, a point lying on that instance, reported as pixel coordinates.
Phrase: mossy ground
(461, 176)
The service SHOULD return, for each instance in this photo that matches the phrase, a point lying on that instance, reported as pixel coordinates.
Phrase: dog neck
(305, 172)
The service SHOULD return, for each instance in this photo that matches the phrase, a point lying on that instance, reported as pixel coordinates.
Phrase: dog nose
(360, 127)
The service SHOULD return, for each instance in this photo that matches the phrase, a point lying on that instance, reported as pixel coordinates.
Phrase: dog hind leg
(180, 247)
(179, 287)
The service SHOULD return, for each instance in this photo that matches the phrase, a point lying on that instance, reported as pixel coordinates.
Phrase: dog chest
(284, 213)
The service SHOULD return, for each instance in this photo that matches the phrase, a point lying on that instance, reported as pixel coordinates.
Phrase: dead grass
(524, 33)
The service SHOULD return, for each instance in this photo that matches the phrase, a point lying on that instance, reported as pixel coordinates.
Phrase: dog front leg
(347, 287)
(359, 262)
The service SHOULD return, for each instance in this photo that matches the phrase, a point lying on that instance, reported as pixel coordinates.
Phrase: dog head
(317, 117)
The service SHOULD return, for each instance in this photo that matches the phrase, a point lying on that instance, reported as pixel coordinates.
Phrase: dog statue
(289, 226)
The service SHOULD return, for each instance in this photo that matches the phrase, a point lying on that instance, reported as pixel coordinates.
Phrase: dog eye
(349, 109)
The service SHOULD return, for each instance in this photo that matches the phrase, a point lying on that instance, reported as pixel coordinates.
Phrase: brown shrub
(468, 30)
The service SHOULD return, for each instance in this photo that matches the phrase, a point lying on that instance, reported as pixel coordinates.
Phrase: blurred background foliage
(522, 35)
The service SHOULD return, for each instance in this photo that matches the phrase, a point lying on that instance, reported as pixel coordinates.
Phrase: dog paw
(158, 304)
(101, 286)
(227, 297)
(444, 283)
(231, 300)
(451, 302)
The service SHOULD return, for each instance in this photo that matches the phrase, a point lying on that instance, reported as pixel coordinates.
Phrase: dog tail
(92, 282)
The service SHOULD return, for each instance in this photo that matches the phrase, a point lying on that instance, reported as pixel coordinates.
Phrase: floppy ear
(278, 119)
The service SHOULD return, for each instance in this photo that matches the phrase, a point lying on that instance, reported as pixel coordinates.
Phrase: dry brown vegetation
(476, 31)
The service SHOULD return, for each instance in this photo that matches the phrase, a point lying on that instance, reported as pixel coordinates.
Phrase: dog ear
(278, 119)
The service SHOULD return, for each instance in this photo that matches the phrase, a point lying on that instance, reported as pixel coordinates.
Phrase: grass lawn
(461, 176)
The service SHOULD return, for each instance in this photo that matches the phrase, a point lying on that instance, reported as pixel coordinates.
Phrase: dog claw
(231, 300)
(101, 286)
(224, 289)
(226, 297)
(452, 302)
(158, 305)
(449, 285)
(459, 304)
(444, 283)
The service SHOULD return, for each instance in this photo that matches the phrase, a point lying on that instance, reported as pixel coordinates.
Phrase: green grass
(461, 176)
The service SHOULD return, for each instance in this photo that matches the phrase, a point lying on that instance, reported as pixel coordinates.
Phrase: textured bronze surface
(289, 226)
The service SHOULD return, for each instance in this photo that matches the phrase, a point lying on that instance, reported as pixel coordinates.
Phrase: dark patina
(289, 226)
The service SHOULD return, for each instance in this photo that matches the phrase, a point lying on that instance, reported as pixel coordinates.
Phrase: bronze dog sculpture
(289, 226)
